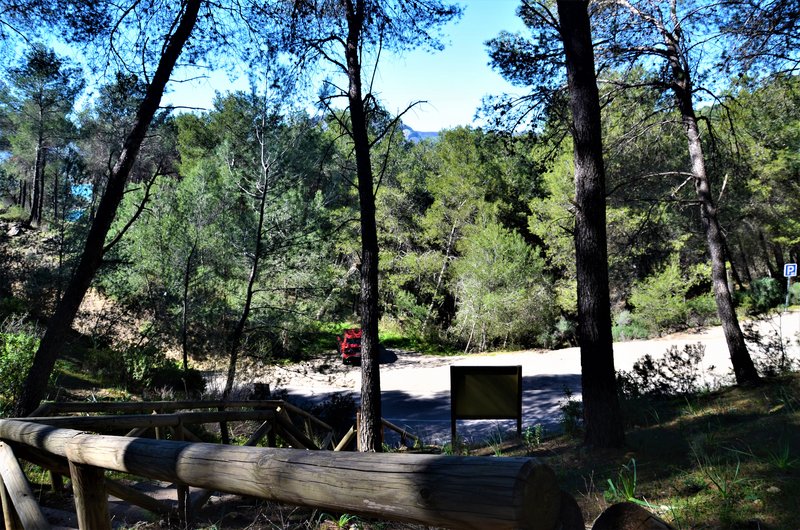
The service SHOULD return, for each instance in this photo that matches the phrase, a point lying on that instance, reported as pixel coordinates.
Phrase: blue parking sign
(790, 269)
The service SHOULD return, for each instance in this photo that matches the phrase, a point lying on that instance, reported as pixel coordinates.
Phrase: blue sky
(452, 81)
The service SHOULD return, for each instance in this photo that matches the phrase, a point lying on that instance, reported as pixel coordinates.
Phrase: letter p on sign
(789, 270)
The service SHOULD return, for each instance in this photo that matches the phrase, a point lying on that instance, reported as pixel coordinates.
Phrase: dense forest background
(474, 225)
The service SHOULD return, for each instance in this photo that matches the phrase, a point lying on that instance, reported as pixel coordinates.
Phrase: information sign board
(485, 393)
(789, 270)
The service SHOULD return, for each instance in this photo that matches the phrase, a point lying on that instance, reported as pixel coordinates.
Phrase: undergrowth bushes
(138, 367)
(18, 344)
(770, 351)
(670, 299)
(679, 372)
(763, 295)
(662, 301)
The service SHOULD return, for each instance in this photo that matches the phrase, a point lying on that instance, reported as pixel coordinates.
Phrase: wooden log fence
(16, 491)
(47, 411)
(217, 411)
(174, 417)
(445, 491)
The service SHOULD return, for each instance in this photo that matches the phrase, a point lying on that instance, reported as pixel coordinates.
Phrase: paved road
(416, 389)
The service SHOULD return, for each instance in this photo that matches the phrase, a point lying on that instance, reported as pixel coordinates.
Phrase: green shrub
(562, 334)
(171, 376)
(503, 292)
(794, 293)
(15, 214)
(18, 344)
(626, 328)
(140, 367)
(702, 310)
(661, 301)
(533, 436)
(677, 373)
(765, 293)
(107, 364)
(12, 306)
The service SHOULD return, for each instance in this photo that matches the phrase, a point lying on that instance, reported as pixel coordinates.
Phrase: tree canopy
(259, 230)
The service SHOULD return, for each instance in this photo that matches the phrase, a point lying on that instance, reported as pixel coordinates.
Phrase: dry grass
(728, 459)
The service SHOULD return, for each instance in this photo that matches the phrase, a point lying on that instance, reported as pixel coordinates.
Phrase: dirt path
(416, 388)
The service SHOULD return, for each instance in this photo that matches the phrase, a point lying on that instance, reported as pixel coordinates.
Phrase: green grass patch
(394, 339)
(322, 338)
(14, 214)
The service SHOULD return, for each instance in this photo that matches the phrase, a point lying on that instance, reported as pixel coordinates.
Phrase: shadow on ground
(429, 416)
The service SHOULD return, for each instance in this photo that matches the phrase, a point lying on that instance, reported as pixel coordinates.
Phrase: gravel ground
(416, 388)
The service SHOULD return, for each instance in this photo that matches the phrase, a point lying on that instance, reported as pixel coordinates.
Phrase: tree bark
(734, 271)
(40, 210)
(743, 367)
(602, 413)
(55, 196)
(370, 427)
(777, 251)
(770, 269)
(745, 263)
(23, 192)
(35, 217)
(440, 279)
(59, 325)
(238, 331)
(185, 307)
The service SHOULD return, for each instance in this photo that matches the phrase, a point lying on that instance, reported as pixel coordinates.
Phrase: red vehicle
(350, 346)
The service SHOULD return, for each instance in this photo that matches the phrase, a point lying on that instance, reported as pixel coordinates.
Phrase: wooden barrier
(148, 421)
(159, 412)
(277, 418)
(446, 491)
(20, 509)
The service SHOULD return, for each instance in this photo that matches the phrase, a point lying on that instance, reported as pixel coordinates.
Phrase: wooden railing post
(20, 509)
(91, 499)
(56, 482)
(10, 516)
(358, 429)
(184, 512)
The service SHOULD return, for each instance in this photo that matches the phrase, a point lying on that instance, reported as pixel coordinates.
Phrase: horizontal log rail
(147, 421)
(61, 407)
(445, 491)
(53, 408)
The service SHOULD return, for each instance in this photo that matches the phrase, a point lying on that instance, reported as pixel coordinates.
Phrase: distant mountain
(417, 136)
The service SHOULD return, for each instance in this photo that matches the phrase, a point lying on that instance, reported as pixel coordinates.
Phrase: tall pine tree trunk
(237, 335)
(22, 199)
(602, 412)
(745, 262)
(59, 324)
(743, 367)
(773, 273)
(37, 186)
(187, 273)
(369, 434)
(440, 278)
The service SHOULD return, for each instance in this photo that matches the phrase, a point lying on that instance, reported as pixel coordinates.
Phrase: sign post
(789, 270)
